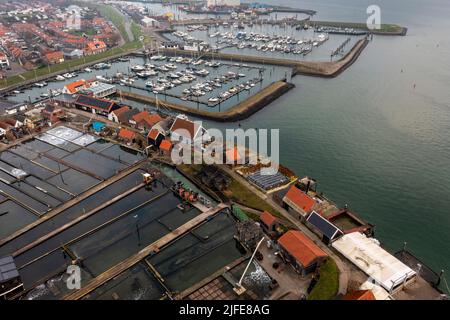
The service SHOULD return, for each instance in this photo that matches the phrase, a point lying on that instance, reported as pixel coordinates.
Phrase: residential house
(299, 202)
(95, 47)
(52, 114)
(154, 138)
(163, 126)
(144, 120)
(74, 87)
(54, 57)
(268, 223)
(299, 250)
(165, 147)
(126, 135)
(98, 106)
(186, 131)
(114, 115)
(125, 117)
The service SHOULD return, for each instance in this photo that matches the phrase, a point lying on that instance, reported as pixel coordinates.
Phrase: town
(96, 97)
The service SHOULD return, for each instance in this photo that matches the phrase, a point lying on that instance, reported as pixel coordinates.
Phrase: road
(127, 25)
(344, 268)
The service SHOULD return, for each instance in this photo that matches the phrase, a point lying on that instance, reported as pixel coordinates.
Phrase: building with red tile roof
(186, 131)
(95, 47)
(54, 57)
(75, 86)
(155, 137)
(301, 251)
(299, 201)
(115, 114)
(126, 135)
(166, 147)
(268, 222)
(145, 120)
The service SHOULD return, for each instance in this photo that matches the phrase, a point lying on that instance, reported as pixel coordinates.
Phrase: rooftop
(300, 199)
(302, 248)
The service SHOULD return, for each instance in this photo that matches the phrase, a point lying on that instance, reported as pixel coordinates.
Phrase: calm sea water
(372, 140)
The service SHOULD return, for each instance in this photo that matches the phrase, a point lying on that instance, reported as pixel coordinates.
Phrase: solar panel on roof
(90, 101)
(268, 182)
(323, 225)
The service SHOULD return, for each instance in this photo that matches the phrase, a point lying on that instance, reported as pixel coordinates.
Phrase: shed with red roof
(304, 255)
(299, 201)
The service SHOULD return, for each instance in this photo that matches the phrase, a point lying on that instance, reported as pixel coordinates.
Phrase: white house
(186, 131)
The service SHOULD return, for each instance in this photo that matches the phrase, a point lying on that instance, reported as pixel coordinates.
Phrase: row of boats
(248, 85)
(262, 42)
(150, 70)
(197, 90)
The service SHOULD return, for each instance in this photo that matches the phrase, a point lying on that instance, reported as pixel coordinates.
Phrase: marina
(211, 86)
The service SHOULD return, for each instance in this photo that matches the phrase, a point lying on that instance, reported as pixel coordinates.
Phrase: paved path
(344, 269)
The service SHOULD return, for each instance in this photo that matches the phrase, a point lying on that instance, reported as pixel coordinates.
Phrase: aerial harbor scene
(224, 150)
